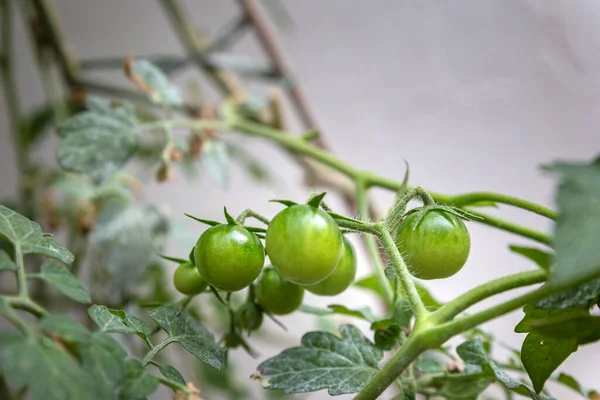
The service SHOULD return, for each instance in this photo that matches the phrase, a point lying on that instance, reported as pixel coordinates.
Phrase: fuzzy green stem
(399, 362)
(404, 275)
(382, 280)
(25, 304)
(251, 214)
(12, 317)
(465, 199)
(21, 277)
(194, 124)
(397, 211)
(369, 179)
(486, 290)
(156, 349)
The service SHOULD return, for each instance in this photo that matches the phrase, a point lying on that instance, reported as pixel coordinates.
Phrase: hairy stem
(12, 317)
(405, 277)
(252, 214)
(21, 277)
(25, 304)
(382, 280)
(156, 349)
(486, 290)
(399, 362)
(297, 145)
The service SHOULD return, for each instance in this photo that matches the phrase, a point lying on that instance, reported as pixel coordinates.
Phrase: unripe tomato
(229, 257)
(341, 278)
(188, 281)
(435, 248)
(276, 295)
(304, 244)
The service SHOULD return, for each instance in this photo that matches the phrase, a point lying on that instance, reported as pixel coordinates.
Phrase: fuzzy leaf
(323, 361)
(171, 373)
(27, 234)
(583, 295)
(6, 262)
(215, 162)
(472, 352)
(154, 82)
(137, 382)
(578, 223)
(429, 365)
(190, 333)
(97, 142)
(59, 277)
(110, 320)
(39, 364)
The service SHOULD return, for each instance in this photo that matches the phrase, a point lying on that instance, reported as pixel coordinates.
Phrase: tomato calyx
(423, 211)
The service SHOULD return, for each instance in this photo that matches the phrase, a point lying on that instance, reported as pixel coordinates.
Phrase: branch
(486, 290)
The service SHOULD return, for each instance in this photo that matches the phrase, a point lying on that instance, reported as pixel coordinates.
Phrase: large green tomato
(341, 278)
(229, 257)
(435, 248)
(276, 295)
(188, 281)
(304, 244)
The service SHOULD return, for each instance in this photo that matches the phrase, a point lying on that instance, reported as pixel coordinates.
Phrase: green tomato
(229, 257)
(188, 281)
(251, 317)
(341, 278)
(304, 244)
(437, 246)
(276, 295)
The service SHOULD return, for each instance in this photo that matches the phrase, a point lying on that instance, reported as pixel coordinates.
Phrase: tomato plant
(434, 242)
(304, 244)
(112, 266)
(229, 257)
(276, 295)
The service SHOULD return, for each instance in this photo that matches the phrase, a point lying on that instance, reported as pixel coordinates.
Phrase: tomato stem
(248, 213)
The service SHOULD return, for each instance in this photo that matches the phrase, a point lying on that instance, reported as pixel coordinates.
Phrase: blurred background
(475, 95)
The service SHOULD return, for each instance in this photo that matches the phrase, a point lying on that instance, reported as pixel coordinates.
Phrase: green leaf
(429, 365)
(570, 323)
(578, 223)
(126, 240)
(27, 234)
(391, 273)
(97, 144)
(542, 258)
(542, 354)
(171, 373)
(364, 313)
(472, 352)
(215, 161)
(137, 382)
(37, 363)
(323, 361)
(103, 358)
(155, 83)
(190, 333)
(584, 295)
(110, 320)
(462, 386)
(59, 277)
(65, 327)
(6, 263)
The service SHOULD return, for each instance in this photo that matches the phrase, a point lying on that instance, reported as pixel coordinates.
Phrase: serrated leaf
(109, 320)
(429, 365)
(6, 263)
(323, 361)
(38, 363)
(190, 333)
(578, 223)
(137, 382)
(542, 354)
(171, 373)
(572, 323)
(96, 144)
(215, 162)
(154, 82)
(27, 234)
(472, 352)
(583, 295)
(542, 258)
(60, 278)
(126, 240)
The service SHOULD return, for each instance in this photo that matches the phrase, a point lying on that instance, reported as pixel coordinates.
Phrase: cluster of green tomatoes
(307, 251)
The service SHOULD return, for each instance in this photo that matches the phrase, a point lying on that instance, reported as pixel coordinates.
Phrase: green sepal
(315, 200)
